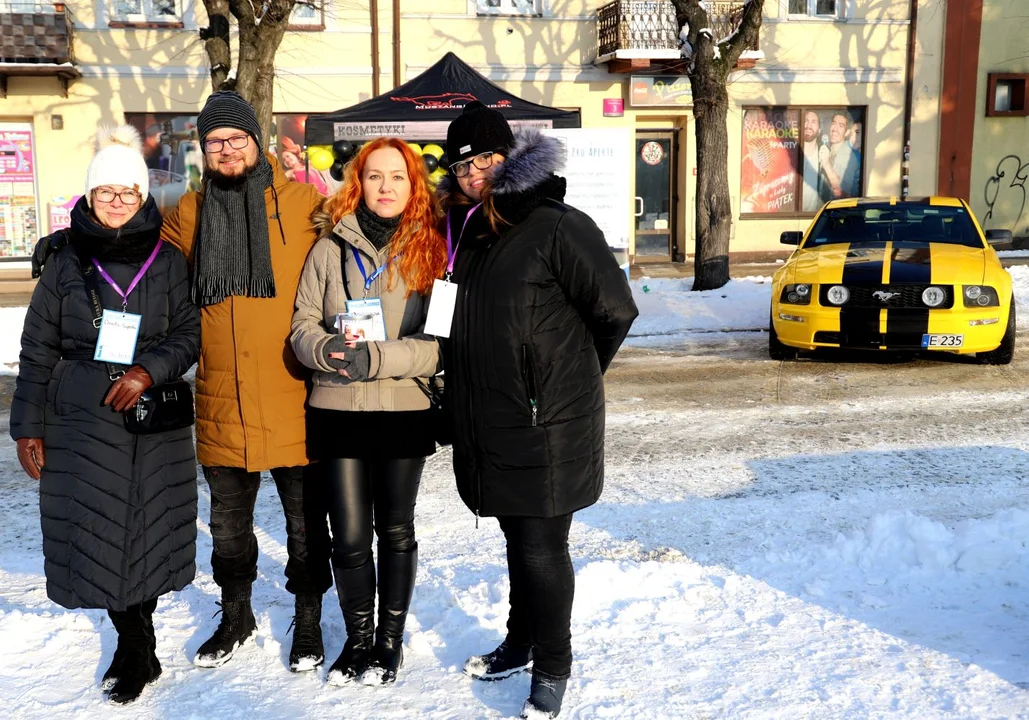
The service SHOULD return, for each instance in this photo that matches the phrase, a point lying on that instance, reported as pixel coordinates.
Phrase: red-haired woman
(370, 421)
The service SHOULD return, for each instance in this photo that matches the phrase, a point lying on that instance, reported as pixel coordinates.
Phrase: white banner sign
(598, 172)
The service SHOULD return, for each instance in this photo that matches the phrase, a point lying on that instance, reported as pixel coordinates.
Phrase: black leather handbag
(160, 409)
(442, 423)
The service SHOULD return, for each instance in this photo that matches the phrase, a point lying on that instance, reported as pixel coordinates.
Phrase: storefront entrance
(656, 160)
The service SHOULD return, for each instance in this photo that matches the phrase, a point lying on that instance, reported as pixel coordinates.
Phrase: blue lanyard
(378, 271)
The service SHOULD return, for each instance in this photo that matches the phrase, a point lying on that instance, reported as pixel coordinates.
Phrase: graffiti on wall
(1005, 194)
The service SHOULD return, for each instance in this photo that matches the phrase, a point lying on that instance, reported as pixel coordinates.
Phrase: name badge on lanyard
(365, 316)
(443, 300)
(119, 331)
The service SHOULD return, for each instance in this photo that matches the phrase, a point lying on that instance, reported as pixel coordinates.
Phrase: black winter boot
(545, 695)
(503, 662)
(396, 587)
(307, 652)
(236, 627)
(115, 669)
(138, 665)
(356, 589)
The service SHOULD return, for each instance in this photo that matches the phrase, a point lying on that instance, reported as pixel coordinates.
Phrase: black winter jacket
(542, 309)
(118, 510)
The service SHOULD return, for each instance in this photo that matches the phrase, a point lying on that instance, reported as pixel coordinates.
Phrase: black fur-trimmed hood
(530, 167)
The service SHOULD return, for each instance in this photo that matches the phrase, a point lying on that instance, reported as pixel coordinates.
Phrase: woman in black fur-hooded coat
(541, 310)
(118, 510)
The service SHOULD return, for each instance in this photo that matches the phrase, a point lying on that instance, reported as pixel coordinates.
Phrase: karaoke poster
(768, 176)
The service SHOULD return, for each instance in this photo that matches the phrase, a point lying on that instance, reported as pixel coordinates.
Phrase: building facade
(832, 84)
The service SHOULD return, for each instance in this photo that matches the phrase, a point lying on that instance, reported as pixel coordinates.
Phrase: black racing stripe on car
(864, 265)
(859, 327)
(911, 265)
(904, 328)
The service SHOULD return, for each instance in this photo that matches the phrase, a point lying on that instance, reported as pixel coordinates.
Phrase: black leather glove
(45, 248)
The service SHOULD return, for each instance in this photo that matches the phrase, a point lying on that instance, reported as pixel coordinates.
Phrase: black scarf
(132, 243)
(378, 230)
(233, 255)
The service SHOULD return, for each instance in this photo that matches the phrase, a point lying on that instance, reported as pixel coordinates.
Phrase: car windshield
(906, 222)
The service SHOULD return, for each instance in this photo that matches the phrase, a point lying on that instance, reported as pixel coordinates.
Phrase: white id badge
(370, 309)
(117, 341)
(441, 308)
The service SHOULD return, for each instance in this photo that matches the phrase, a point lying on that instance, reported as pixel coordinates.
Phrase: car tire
(1006, 350)
(776, 350)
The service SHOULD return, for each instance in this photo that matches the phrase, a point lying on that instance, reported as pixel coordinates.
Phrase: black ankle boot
(503, 662)
(356, 589)
(137, 665)
(396, 587)
(236, 627)
(307, 651)
(546, 693)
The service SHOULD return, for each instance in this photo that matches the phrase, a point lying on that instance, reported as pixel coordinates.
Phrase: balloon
(336, 171)
(444, 161)
(416, 147)
(437, 175)
(343, 149)
(433, 149)
(431, 163)
(321, 159)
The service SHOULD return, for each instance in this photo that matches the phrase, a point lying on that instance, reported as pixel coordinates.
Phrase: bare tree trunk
(216, 42)
(714, 210)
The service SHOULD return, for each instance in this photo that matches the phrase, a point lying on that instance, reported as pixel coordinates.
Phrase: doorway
(654, 227)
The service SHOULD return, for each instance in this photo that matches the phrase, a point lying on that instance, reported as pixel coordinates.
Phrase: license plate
(942, 341)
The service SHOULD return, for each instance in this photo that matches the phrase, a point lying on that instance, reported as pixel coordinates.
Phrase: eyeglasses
(481, 161)
(107, 195)
(236, 142)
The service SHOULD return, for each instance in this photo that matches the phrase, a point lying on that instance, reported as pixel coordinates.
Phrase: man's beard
(229, 182)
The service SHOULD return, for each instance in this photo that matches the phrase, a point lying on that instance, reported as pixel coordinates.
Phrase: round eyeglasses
(481, 161)
(107, 195)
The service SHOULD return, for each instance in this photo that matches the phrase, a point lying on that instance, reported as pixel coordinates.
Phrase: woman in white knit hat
(110, 318)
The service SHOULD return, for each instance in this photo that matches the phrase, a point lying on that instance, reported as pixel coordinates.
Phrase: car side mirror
(792, 237)
(999, 237)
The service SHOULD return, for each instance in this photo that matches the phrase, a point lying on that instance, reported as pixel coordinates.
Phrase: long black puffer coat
(118, 510)
(542, 308)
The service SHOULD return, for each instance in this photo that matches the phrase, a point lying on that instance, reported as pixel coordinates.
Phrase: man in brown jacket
(246, 235)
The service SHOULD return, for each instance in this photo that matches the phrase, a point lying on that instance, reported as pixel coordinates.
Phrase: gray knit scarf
(233, 256)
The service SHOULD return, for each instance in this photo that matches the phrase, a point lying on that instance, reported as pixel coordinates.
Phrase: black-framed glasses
(481, 161)
(236, 142)
(107, 195)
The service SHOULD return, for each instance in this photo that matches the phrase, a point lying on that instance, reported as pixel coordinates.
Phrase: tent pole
(373, 7)
(396, 43)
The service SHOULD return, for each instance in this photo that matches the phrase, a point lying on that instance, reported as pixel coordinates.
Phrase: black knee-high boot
(396, 588)
(356, 589)
(135, 665)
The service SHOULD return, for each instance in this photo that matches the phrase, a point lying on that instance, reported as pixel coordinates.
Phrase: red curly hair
(422, 250)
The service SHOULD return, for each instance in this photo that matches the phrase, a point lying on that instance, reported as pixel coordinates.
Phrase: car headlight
(980, 296)
(796, 294)
(837, 295)
(934, 296)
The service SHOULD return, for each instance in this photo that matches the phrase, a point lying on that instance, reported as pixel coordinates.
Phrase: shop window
(144, 12)
(816, 8)
(795, 159)
(19, 202)
(508, 7)
(307, 15)
(1006, 95)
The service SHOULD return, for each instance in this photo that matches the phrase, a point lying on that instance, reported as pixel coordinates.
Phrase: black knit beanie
(227, 108)
(477, 130)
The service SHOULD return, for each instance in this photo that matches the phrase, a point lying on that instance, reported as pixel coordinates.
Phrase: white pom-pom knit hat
(118, 161)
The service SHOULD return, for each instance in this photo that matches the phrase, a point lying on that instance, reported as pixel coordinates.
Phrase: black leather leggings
(362, 489)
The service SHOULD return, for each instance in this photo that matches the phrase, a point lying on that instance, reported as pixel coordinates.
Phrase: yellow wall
(1000, 149)
(546, 60)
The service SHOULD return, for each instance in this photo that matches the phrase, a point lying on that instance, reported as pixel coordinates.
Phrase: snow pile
(668, 306)
(12, 320)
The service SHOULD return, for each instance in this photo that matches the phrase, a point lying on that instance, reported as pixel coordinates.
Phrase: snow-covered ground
(845, 558)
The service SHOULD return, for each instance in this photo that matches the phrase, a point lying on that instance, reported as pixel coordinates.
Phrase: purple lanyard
(451, 248)
(135, 281)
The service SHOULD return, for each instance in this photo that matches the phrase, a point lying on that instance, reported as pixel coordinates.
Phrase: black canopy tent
(422, 108)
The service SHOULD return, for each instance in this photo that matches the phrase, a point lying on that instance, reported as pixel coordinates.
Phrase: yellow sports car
(895, 275)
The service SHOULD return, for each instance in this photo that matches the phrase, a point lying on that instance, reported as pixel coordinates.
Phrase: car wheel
(1006, 350)
(776, 350)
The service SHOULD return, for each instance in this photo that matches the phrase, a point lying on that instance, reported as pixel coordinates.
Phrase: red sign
(16, 156)
(614, 107)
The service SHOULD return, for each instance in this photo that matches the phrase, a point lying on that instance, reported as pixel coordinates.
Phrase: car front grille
(900, 296)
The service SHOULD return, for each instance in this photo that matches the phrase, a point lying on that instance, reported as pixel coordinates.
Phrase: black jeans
(542, 588)
(363, 494)
(234, 559)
